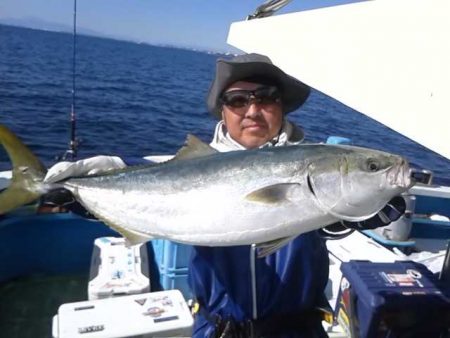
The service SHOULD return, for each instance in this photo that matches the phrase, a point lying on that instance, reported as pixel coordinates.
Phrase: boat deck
(29, 303)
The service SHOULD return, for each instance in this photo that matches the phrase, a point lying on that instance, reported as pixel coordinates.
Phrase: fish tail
(27, 174)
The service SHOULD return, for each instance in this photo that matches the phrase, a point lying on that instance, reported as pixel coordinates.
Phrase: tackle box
(391, 300)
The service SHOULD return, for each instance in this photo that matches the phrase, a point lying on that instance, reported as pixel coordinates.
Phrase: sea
(134, 99)
(131, 100)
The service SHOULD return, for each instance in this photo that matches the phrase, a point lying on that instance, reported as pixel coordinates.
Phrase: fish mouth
(401, 175)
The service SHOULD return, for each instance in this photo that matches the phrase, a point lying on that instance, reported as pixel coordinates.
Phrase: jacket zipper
(253, 280)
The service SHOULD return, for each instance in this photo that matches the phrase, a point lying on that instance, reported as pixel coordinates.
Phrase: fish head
(353, 183)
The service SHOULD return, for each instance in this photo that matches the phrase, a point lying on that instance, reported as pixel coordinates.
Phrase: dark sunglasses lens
(267, 95)
(241, 98)
(236, 99)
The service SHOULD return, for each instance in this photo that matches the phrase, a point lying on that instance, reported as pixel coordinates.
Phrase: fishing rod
(71, 152)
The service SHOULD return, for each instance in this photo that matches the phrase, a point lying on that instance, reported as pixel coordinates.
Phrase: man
(239, 295)
(281, 295)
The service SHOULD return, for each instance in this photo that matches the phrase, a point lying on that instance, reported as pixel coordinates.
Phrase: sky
(201, 24)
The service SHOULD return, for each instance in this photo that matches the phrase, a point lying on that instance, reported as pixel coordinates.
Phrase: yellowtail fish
(203, 197)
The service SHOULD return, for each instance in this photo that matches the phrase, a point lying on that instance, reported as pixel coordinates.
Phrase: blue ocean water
(135, 99)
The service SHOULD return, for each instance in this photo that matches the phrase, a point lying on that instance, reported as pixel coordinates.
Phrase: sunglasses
(242, 98)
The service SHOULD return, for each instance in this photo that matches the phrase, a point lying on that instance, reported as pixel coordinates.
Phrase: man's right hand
(61, 200)
(92, 165)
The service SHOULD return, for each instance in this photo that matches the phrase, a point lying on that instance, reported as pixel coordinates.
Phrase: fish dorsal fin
(194, 148)
(272, 194)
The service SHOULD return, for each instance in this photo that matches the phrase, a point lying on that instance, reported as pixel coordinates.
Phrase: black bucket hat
(250, 66)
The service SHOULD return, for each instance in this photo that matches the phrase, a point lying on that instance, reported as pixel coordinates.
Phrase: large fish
(203, 197)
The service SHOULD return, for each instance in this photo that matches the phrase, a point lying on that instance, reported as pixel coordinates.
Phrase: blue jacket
(232, 282)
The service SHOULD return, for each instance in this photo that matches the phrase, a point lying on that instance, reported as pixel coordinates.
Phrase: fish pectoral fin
(268, 248)
(131, 237)
(194, 148)
(273, 193)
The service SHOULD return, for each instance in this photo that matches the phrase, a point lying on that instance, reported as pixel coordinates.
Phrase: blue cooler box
(401, 299)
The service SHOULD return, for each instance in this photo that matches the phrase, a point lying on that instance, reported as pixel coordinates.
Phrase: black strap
(275, 325)
(264, 327)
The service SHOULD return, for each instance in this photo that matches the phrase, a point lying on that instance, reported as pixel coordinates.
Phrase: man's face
(257, 122)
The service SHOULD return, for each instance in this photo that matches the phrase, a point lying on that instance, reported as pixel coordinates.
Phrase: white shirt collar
(290, 134)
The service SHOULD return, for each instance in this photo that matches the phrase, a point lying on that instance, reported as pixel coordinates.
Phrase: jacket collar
(290, 134)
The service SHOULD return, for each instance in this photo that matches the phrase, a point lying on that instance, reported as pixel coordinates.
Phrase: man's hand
(92, 165)
(61, 200)
(392, 211)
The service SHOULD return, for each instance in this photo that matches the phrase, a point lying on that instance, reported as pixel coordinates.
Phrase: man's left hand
(393, 210)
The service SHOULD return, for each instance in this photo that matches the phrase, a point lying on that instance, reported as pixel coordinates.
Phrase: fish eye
(373, 165)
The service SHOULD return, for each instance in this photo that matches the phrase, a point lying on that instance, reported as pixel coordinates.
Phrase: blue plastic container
(172, 257)
(177, 281)
(391, 299)
(176, 257)
(158, 248)
(173, 260)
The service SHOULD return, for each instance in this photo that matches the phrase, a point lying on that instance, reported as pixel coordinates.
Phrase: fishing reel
(71, 153)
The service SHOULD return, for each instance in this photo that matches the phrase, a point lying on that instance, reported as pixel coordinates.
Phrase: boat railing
(423, 176)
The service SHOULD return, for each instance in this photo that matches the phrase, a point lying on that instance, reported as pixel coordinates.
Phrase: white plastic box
(157, 314)
(117, 269)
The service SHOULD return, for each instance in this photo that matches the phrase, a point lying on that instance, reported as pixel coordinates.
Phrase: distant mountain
(35, 23)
